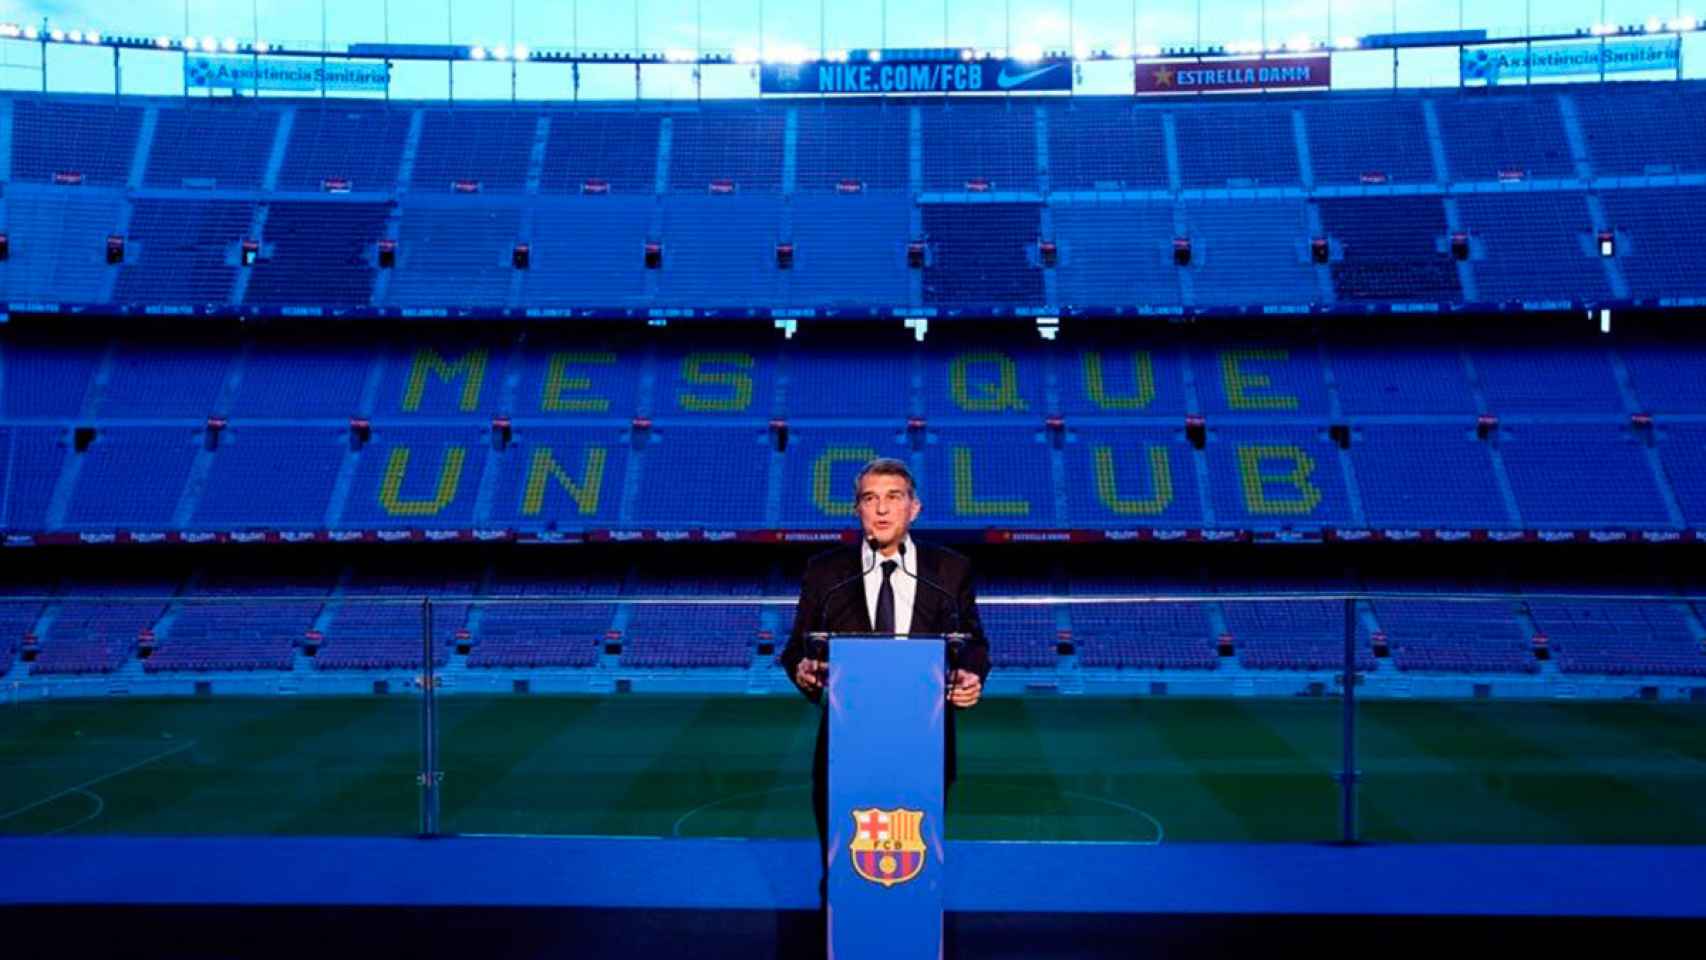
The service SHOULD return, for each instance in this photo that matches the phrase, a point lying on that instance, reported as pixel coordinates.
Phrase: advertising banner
(1516, 62)
(1234, 76)
(285, 73)
(911, 76)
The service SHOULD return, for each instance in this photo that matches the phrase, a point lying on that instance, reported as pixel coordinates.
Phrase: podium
(886, 701)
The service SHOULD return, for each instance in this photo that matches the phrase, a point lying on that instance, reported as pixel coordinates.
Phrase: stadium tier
(547, 434)
(1514, 200)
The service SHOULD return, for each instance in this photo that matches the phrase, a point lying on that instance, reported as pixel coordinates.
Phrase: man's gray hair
(888, 467)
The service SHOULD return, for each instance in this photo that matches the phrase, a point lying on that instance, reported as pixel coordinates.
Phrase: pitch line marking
(100, 779)
(675, 830)
(100, 807)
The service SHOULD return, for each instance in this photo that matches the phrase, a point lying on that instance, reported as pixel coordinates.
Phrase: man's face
(886, 509)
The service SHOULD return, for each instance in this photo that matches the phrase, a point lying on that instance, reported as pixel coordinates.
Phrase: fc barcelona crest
(888, 845)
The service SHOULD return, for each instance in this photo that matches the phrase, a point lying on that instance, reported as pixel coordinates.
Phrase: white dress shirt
(904, 586)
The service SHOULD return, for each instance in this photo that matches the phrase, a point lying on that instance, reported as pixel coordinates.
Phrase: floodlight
(477, 53)
(875, 56)
(500, 52)
(56, 35)
(1347, 43)
(520, 51)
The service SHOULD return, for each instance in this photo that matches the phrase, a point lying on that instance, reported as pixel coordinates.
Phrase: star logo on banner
(1163, 77)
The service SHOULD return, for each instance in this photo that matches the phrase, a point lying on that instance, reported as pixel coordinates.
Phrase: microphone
(823, 602)
(955, 640)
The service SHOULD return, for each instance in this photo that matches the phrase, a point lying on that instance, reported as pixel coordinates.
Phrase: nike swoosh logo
(1008, 81)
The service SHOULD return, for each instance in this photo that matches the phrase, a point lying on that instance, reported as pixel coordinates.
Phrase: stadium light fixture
(10, 30)
(1603, 29)
(92, 36)
(230, 45)
(678, 55)
(875, 56)
(1347, 43)
(56, 35)
(967, 53)
(838, 56)
(500, 52)
(1654, 24)
(163, 42)
(520, 52)
(1300, 43)
(75, 36)
(1684, 23)
(261, 46)
(31, 33)
(1030, 51)
(1149, 50)
(746, 55)
(476, 53)
(209, 44)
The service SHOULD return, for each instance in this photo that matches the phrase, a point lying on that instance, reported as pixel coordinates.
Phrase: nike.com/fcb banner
(285, 73)
(1234, 76)
(902, 76)
(1516, 62)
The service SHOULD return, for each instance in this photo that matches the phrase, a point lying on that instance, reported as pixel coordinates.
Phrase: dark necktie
(885, 600)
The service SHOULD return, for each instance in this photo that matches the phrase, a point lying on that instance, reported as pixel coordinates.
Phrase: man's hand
(964, 688)
(809, 674)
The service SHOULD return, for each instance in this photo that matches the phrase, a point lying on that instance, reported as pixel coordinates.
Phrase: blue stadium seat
(1584, 476)
(738, 143)
(1250, 252)
(616, 146)
(965, 141)
(132, 478)
(273, 478)
(1095, 144)
(224, 145)
(1120, 377)
(1112, 255)
(1275, 376)
(1537, 247)
(183, 252)
(1391, 248)
(818, 470)
(561, 478)
(1426, 475)
(1493, 133)
(35, 458)
(52, 136)
(1354, 136)
(988, 477)
(340, 140)
(418, 477)
(1237, 145)
(1132, 477)
(457, 254)
(845, 141)
(699, 476)
(324, 249)
(1275, 477)
(490, 145)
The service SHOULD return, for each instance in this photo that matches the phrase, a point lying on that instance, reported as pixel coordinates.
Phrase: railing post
(428, 777)
(1348, 763)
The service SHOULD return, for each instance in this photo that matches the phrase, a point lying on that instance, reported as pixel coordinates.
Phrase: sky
(773, 27)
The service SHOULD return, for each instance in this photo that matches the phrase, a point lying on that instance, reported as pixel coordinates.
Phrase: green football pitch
(1031, 769)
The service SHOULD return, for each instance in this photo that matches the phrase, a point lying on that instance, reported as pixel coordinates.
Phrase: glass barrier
(1535, 718)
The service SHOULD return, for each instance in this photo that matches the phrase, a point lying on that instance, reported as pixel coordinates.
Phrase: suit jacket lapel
(862, 616)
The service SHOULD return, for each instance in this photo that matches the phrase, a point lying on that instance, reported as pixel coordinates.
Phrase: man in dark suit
(883, 585)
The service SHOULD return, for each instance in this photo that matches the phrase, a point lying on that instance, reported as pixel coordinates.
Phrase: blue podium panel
(885, 867)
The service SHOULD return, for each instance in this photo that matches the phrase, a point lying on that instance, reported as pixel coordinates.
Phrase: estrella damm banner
(984, 75)
(888, 845)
